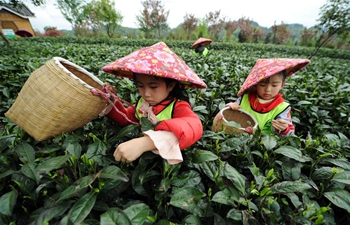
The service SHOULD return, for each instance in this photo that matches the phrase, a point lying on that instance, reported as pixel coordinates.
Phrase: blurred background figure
(199, 47)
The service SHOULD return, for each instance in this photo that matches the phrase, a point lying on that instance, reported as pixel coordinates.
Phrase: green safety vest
(165, 114)
(263, 119)
(205, 52)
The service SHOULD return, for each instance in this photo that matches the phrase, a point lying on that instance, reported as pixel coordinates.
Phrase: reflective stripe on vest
(205, 52)
(165, 114)
(264, 119)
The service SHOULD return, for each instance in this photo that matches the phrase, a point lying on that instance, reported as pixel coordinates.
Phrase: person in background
(200, 50)
(199, 47)
(259, 94)
(160, 77)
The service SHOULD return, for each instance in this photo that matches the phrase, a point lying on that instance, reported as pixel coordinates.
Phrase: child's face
(268, 90)
(152, 89)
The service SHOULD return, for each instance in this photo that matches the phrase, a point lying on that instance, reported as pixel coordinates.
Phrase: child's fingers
(279, 124)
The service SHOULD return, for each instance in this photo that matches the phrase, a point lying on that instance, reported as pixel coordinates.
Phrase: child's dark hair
(178, 92)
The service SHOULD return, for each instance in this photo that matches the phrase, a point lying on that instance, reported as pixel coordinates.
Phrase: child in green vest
(259, 94)
(200, 50)
(199, 47)
(161, 77)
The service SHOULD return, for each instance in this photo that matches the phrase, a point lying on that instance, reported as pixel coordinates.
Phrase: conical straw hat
(265, 68)
(156, 60)
(204, 41)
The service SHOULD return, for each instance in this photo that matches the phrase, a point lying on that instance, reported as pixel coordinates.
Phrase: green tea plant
(224, 178)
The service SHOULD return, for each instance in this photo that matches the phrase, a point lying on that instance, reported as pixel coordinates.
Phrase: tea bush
(224, 179)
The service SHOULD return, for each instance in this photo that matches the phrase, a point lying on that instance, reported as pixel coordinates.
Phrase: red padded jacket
(184, 124)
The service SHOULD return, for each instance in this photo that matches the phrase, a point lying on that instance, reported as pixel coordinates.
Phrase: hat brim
(265, 68)
(204, 41)
(156, 60)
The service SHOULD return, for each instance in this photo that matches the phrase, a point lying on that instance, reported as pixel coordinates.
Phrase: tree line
(100, 17)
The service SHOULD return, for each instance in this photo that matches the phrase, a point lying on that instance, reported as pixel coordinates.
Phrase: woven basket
(247, 123)
(56, 98)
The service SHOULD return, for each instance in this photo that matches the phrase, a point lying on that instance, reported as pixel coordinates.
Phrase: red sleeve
(118, 117)
(185, 125)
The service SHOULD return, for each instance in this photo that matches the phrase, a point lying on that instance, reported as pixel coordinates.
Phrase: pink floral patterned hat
(204, 41)
(156, 60)
(265, 68)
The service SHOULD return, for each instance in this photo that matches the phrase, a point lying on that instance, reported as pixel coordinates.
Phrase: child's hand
(280, 124)
(110, 87)
(131, 150)
(233, 105)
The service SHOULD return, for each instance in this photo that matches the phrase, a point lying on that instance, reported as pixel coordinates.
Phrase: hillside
(295, 29)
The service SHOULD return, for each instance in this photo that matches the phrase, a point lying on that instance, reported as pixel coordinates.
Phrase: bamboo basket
(247, 123)
(56, 98)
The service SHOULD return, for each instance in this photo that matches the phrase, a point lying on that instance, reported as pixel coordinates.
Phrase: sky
(265, 12)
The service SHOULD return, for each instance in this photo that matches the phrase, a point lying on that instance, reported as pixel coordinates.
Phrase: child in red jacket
(259, 94)
(161, 77)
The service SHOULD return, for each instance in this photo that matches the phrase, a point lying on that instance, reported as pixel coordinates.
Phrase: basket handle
(106, 94)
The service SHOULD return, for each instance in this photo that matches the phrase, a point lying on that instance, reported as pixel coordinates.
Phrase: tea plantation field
(225, 179)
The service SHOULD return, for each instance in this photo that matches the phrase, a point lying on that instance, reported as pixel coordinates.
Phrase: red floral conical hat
(203, 41)
(156, 60)
(265, 68)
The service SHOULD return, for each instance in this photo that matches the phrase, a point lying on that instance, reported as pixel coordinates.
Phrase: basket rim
(57, 60)
(242, 111)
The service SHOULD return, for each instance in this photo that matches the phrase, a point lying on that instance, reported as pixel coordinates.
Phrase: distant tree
(46, 28)
(334, 21)
(73, 12)
(307, 37)
(215, 24)
(189, 25)
(258, 34)
(177, 33)
(103, 14)
(51, 32)
(202, 28)
(268, 38)
(92, 24)
(153, 17)
(230, 27)
(280, 33)
(109, 16)
(246, 30)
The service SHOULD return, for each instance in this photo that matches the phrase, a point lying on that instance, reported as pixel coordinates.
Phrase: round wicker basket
(56, 98)
(244, 122)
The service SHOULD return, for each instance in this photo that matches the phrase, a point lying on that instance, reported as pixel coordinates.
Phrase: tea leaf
(8, 202)
(269, 142)
(26, 153)
(225, 197)
(292, 152)
(238, 179)
(113, 172)
(51, 213)
(201, 156)
(52, 163)
(137, 213)
(342, 177)
(29, 170)
(82, 208)
(290, 186)
(186, 198)
(340, 198)
(5, 141)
